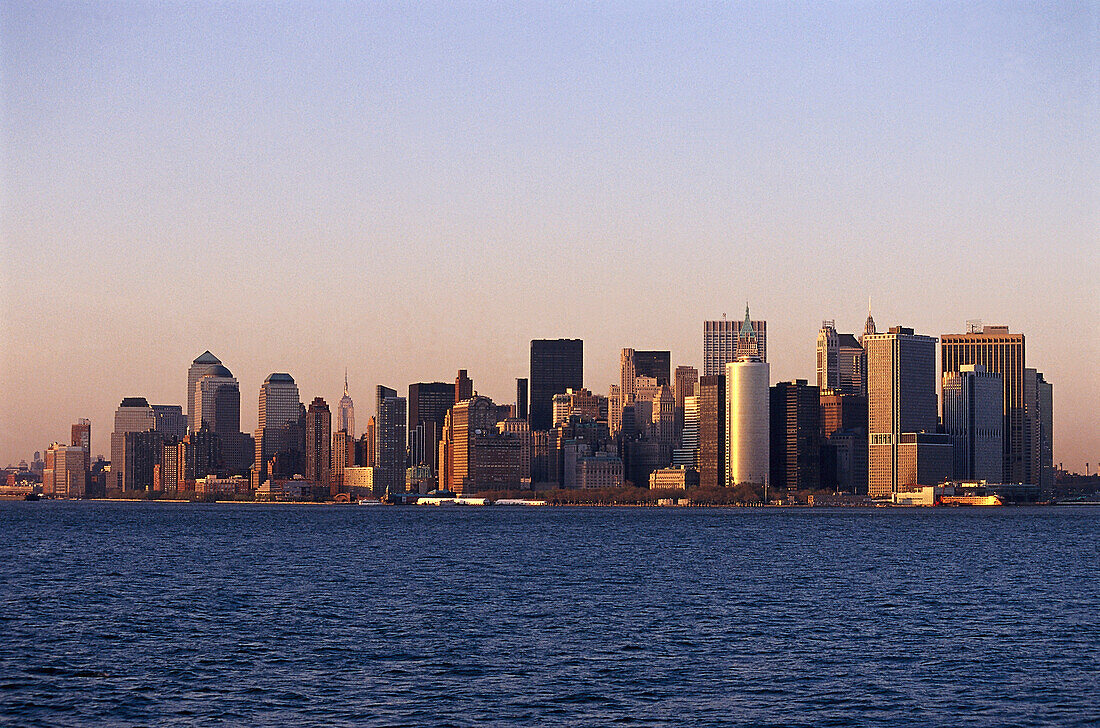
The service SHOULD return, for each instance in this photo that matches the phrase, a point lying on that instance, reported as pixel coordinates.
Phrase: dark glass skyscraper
(428, 405)
(656, 364)
(521, 398)
(795, 423)
(712, 431)
(556, 365)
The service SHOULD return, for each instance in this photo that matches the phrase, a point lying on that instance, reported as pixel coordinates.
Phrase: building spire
(747, 345)
(869, 327)
(345, 381)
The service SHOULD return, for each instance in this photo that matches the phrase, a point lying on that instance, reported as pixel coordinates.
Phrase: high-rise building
(171, 471)
(65, 475)
(170, 420)
(901, 399)
(868, 325)
(576, 402)
(428, 406)
(345, 413)
(1039, 410)
(687, 454)
(747, 412)
(217, 402)
(133, 415)
(318, 453)
(556, 365)
(202, 365)
(521, 398)
(391, 438)
(278, 429)
(217, 407)
(343, 457)
(82, 437)
(1000, 352)
(464, 386)
(477, 454)
(795, 436)
(712, 430)
(656, 364)
(370, 444)
(844, 441)
(684, 380)
(720, 340)
(841, 361)
(973, 417)
(684, 385)
(518, 427)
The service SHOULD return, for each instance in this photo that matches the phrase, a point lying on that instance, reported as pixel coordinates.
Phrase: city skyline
(403, 390)
(410, 193)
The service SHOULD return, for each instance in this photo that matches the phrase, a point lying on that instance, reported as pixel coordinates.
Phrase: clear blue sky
(409, 189)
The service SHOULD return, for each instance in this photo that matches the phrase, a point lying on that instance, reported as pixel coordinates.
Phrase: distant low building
(673, 478)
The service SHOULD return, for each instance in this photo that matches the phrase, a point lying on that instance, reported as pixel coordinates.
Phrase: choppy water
(162, 614)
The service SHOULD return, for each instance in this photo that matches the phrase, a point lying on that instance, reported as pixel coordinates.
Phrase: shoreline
(861, 506)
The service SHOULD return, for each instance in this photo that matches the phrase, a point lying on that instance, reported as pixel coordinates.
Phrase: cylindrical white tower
(747, 421)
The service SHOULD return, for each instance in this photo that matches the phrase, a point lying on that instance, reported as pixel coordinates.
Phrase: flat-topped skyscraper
(901, 399)
(1000, 352)
(972, 416)
(556, 365)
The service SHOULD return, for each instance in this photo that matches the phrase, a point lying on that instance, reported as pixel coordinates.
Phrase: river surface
(185, 614)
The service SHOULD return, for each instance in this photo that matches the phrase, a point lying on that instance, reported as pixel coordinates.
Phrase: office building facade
(901, 399)
(556, 366)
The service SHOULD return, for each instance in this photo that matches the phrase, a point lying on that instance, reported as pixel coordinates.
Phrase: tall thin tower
(345, 414)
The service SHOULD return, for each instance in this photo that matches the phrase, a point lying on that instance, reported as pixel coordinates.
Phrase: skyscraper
(747, 412)
(1000, 352)
(318, 443)
(712, 431)
(428, 405)
(65, 475)
(687, 454)
(479, 455)
(343, 457)
(278, 430)
(82, 437)
(217, 402)
(868, 325)
(844, 437)
(464, 386)
(345, 418)
(656, 364)
(720, 343)
(972, 416)
(684, 384)
(556, 365)
(170, 420)
(795, 436)
(198, 369)
(628, 376)
(133, 415)
(841, 362)
(1039, 411)
(391, 438)
(521, 398)
(901, 399)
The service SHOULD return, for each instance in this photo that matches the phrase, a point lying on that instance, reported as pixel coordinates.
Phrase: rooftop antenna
(973, 326)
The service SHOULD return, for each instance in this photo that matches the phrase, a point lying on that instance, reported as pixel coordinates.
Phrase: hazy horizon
(407, 190)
